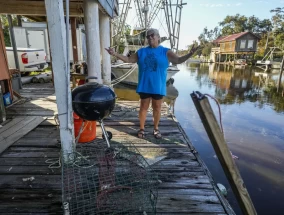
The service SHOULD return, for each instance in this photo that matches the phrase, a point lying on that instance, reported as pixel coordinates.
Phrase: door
(36, 39)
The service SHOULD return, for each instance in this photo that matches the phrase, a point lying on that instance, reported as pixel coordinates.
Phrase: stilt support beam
(91, 18)
(105, 43)
(57, 36)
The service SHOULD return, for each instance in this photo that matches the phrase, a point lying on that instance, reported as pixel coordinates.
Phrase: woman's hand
(110, 51)
(193, 49)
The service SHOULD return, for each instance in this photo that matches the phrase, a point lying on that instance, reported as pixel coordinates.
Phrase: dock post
(91, 19)
(74, 39)
(223, 153)
(15, 49)
(57, 36)
(105, 43)
(280, 75)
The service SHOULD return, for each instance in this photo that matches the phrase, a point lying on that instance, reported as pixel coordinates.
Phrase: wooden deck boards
(29, 186)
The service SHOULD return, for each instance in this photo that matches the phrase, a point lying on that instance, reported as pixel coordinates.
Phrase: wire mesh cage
(101, 180)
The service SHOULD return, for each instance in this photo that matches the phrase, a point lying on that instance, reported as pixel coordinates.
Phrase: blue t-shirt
(152, 70)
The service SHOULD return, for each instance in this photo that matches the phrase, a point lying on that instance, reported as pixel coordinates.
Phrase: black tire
(109, 135)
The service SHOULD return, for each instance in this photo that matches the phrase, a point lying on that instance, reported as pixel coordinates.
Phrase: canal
(253, 122)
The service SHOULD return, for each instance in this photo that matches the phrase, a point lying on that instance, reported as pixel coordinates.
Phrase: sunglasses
(150, 35)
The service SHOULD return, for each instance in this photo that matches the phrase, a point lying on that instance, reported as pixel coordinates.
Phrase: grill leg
(105, 133)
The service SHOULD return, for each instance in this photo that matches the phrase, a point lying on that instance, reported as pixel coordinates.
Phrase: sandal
(141, 133)
(157, 134)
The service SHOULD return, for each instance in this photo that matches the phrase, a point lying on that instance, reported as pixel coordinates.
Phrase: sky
(198, 14)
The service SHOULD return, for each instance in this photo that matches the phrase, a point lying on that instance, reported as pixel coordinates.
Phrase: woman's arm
(173, 58)
(131, 59)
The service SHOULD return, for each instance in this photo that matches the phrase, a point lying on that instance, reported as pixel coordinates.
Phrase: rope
(121, 78)
(220, 114)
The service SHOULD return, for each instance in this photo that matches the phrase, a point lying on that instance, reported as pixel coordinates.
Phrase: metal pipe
(104, 133)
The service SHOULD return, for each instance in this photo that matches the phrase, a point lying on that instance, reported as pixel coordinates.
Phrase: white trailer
(35, 35)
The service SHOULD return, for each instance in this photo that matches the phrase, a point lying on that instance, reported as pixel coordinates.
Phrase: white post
(105, 43)
(57, 36)
(91, 18)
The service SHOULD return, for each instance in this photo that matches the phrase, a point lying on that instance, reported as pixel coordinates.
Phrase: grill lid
(92, 92)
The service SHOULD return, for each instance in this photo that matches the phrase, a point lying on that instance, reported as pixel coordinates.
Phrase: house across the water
(234, 48)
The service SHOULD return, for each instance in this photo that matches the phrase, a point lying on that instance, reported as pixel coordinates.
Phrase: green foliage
(127, 29)
(278, 26)
(239, 23)
(207, 49)
(5, 26)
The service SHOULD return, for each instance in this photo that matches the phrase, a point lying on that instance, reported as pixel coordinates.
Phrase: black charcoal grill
(93, 102)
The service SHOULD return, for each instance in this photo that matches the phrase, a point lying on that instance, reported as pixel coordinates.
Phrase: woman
(153, 61)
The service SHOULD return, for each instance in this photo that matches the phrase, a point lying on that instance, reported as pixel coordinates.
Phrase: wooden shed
(243, 43)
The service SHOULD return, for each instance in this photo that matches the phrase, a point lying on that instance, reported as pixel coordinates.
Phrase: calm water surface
(253, 122)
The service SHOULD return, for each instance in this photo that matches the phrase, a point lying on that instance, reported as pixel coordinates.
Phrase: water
(253, 122)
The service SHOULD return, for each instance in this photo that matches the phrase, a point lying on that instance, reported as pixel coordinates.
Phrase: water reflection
(253, 119)
(239, 84)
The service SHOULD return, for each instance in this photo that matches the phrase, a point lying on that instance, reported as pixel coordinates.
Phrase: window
(250, 44)
(243, 44)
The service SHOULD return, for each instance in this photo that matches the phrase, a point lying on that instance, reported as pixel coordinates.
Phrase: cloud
(239, 4)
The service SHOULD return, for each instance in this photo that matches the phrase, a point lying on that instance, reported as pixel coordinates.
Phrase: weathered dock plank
(30, 173)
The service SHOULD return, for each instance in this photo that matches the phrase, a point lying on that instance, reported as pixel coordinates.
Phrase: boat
(127, 73)
(119, 71)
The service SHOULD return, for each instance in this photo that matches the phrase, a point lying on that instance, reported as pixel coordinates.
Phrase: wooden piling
(74, 40)
(223, 153)
(280, 75)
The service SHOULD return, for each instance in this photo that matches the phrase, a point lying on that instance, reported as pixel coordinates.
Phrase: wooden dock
(29, 186)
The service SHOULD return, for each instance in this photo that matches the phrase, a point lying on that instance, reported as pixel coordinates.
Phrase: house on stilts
(234, 48)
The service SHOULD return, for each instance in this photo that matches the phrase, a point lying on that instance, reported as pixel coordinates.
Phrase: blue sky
(198, 14)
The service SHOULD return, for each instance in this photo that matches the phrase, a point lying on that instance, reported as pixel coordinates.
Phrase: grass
(48, 69)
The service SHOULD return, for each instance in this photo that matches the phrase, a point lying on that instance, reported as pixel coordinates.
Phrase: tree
(5, 25)
(207, 49)
(278, 26)
(233, 24)
(239, 23)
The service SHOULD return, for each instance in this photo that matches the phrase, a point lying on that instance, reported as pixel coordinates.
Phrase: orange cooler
(88, 131)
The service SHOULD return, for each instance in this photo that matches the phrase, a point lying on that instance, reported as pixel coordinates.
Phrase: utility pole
(281, 73)
(146, 20)
(15, 50)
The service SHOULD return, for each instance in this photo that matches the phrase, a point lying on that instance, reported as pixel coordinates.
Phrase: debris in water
(234, 156)
(223, 189)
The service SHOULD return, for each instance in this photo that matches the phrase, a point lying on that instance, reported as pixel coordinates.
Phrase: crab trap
(99, 179)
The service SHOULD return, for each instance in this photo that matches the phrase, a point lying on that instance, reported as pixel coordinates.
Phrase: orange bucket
(88, 133)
